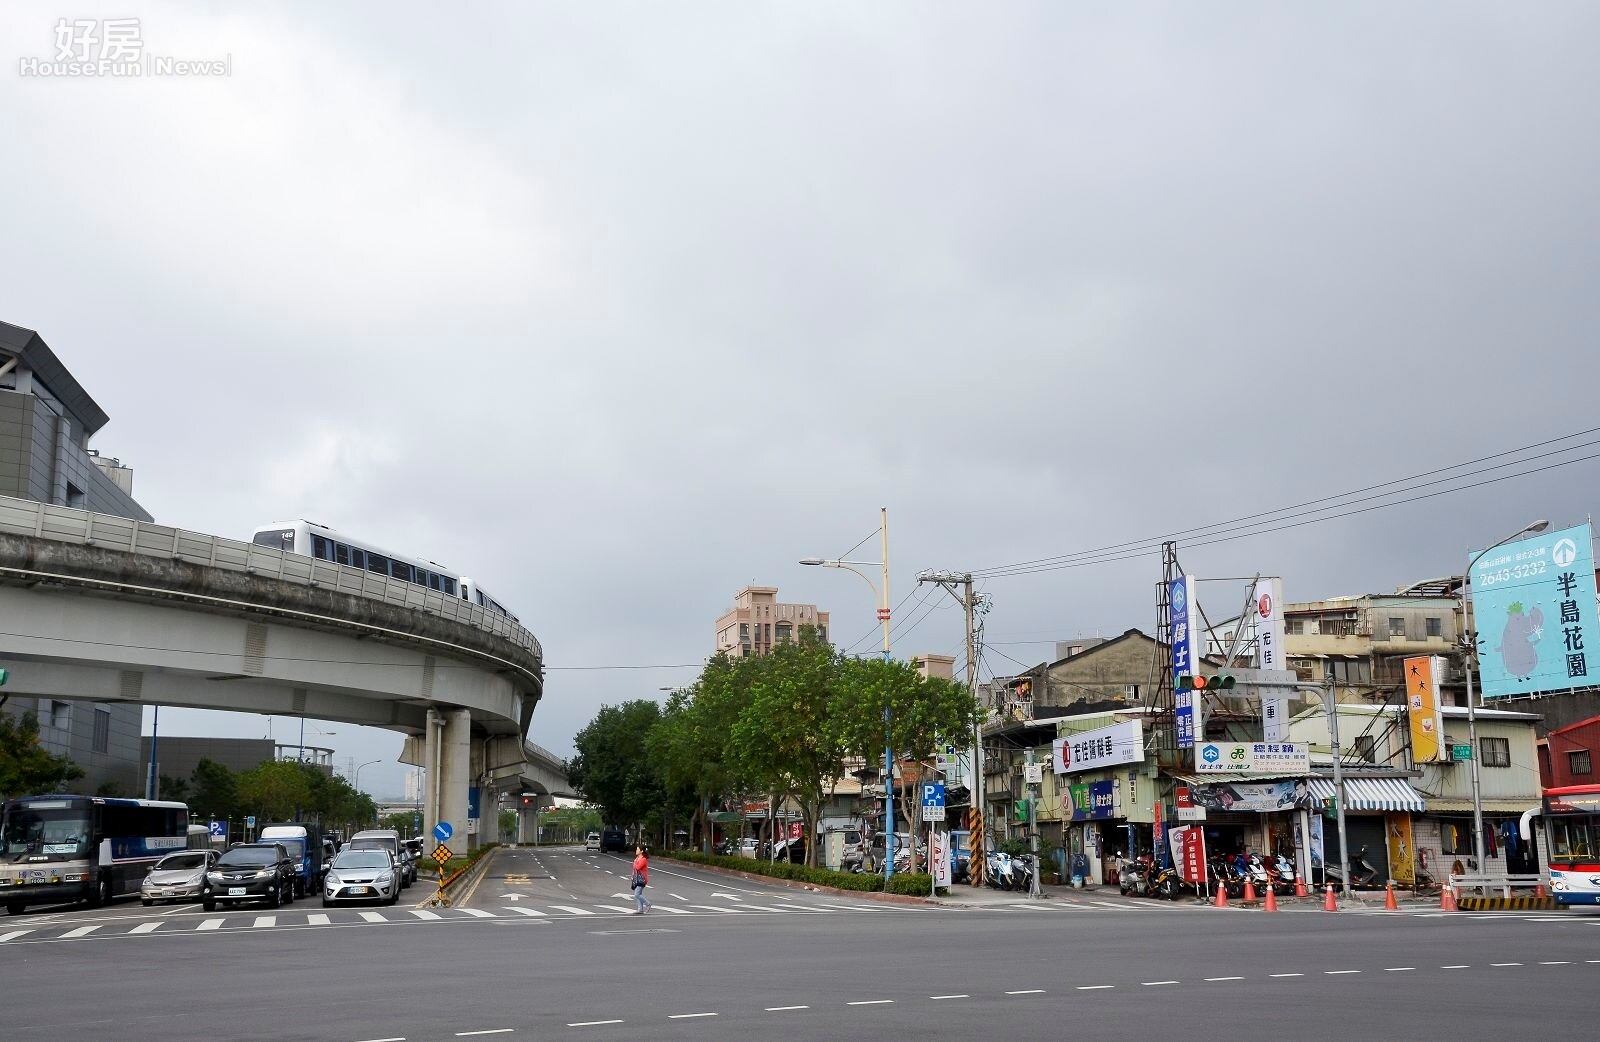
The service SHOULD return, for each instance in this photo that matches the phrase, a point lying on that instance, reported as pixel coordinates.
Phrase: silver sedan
(180, 876)
(362, 875)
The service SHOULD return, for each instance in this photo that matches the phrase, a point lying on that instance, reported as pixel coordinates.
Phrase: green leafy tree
(176, 789)
(567, 824)
(401, 823)
(213, 791)
(26, 767)
(785, 736)
(611, 767)
(275, 790)
(691, 743)
(925, 713)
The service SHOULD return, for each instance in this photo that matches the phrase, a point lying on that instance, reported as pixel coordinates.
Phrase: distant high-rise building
(414, 784)
(757, 621)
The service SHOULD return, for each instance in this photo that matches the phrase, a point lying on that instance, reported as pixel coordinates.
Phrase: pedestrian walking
(641, 878)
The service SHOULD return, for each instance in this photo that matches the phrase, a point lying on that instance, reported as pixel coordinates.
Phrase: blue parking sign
(933, 794)
(219, 830)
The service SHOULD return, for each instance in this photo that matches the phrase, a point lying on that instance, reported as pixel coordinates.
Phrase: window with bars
(1580, 762)
(1496, 751)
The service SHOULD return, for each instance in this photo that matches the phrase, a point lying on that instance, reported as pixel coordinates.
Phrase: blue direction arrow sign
(219, 830)
(443, 831)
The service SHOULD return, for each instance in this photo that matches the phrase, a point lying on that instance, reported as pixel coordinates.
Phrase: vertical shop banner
(1268, 607)
(1316, 844)
(1185, 641)
(1194, 855)
(1158, 831)
(1273, 726)
(939, 854)
(1533, 604)
(1402, 869)
(1422, 675)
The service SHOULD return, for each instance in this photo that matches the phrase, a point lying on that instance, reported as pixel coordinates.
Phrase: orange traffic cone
(1249, 892)
(1447, 899)
(1300, 888)
(1222, 897)
(1329, 904)
(1272, 901)
(1538, 890)
(1389, 903)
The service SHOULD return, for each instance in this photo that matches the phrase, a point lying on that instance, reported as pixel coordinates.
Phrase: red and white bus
(1572, 829)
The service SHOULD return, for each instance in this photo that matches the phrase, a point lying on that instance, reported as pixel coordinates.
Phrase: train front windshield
(52, 830)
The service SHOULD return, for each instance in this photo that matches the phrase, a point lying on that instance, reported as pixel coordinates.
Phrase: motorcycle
(1225, 877)
(1167, 883)
(1282, 872)
(1133, 876)
(1361, 872)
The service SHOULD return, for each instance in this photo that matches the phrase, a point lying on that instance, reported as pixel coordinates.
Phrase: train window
(358, 557)
(447, 585)
(341, 553)
(378, 563)
(400, 570)
(319, 548)
(434, 582)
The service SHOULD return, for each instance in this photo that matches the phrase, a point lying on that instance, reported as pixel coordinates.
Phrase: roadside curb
(815, 888)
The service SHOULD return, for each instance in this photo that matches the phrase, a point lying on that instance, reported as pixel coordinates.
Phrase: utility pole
(977, 861)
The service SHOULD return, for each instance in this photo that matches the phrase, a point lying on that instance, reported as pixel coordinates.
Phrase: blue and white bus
(55, 849)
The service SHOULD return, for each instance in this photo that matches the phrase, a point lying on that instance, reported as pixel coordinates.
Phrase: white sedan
(592, 841)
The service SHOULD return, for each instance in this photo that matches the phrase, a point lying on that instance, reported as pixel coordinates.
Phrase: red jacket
(641, 865)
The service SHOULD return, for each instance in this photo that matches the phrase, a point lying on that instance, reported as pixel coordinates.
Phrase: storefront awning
(1371, 794)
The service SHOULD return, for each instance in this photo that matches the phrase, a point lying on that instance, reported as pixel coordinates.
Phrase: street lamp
(369, 763)
(1469, 639)
(882, 590)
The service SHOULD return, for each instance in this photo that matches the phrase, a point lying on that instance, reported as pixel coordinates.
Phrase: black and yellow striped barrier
(1506, 904)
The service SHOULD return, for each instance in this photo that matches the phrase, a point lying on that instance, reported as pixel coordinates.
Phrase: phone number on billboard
(1521, 571)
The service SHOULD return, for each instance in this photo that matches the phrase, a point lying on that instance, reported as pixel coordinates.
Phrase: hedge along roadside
(910, 884)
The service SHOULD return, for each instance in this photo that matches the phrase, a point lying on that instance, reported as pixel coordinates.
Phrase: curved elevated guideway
(109, 609)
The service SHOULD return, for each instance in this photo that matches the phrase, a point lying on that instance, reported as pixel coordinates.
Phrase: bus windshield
(39, 830)
(1576, 838)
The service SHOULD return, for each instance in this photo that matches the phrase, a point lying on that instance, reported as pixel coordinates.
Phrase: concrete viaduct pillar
(448, 748)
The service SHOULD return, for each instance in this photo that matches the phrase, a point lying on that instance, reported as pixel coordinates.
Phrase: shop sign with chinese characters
(1101, 747)
(1252, 758)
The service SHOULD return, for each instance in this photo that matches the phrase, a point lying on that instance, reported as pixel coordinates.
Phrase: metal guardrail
(1501, 882)
(26, 517)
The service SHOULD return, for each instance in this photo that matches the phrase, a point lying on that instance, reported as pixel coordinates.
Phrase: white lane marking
(680, 897)
(616, 908)
(211, 924)
(478, 912)
(490, 1031)
(397, 1038)
(1335, 973)
(147, 927)
(82, 931)
(373, 917)
(1154, 983)
(1213, 980)
(783, 1009)
(13, 935)
(688, 1016)
(264, 922)
(669, 908)
(1462, 966)
(423, 913)
(1505, 964)
(727, 910)
(317, 919)
(937, 998)
(1040, 991)
(1556, 962)
(1285, 975)
(583, 911)
(1096, 987)
(871, 1002)
(527, 911)
(731, 897)
(592, 1023)
(1397, 969)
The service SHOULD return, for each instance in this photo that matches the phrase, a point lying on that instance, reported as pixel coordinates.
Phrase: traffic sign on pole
(932, 801)
(442, 853)
(443, 831)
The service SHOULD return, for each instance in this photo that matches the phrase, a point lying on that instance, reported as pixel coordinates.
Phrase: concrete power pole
(977, 862)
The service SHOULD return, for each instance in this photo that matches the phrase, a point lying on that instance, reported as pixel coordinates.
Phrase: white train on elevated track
(313, 540)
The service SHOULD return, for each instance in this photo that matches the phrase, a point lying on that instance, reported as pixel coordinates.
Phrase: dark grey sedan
(178, 877)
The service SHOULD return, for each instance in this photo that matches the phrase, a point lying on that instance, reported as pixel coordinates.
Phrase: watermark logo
(89, 47)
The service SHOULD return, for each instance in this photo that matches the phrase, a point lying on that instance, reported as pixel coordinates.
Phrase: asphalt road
(744, 960)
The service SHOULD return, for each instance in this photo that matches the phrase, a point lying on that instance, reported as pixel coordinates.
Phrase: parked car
(178, 877)
(613, 839)
(749, 846)
(304, 843)
(251, 872)
(387, 839)
(362, 874)
(591, 841)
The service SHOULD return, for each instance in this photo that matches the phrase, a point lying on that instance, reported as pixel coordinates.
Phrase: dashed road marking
(1158, 983)
(1336, 973)
(1556, 962)
(688, 1016)
(373, 917)
(82, 931)
(1096, 987)
(264, 922)
(211, 924)
(4, 937)
(1397, 969)
(1213, 980)
(478, 913)
(1037, 991)
(937, 998)
(423, 913)
(592, 1023)
(1505, 964)
(783, 1009)
(1461, 966)
(144, 928)
(871, 1002)
(317, 919)
(574, 911)
(1286, 975)
(487, 1031)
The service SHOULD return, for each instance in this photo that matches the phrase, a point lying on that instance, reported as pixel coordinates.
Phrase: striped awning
(1370, 794)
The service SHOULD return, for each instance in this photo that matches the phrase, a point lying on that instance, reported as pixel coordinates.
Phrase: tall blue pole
(151, 779)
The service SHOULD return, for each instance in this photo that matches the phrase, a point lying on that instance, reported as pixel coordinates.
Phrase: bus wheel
(15, 907)
(101, 895)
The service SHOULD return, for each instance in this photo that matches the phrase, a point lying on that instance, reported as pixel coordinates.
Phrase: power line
(1335, 502)
(1152, 551)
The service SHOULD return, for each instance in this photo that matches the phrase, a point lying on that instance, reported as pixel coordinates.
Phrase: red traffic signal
(1186, 682)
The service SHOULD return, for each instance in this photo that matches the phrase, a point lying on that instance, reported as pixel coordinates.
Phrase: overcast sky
(621, 307)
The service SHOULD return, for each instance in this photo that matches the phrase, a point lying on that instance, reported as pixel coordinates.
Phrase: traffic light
(1188, 682)
(527, 801)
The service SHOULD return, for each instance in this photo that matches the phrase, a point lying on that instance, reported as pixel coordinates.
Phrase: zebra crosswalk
(520, 912)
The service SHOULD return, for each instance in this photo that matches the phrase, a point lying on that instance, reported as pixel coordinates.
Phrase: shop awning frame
(1371, 794)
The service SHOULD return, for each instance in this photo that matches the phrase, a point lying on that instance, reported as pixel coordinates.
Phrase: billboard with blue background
(1534, 608)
